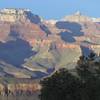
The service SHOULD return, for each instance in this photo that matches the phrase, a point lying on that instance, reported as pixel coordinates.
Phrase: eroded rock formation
(19, 89)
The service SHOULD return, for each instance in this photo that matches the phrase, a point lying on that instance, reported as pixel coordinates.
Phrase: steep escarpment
(19, 88)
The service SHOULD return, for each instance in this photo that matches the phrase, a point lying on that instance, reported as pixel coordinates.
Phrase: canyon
(33, 48)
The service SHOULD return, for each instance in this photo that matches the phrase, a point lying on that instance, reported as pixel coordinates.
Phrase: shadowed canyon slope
(31, 47)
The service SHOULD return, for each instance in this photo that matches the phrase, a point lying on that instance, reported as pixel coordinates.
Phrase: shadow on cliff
(45, 29)
(72, 29)
(33, 18)
(36, 20)
(67, 37)
(14, 52)
(85, 50)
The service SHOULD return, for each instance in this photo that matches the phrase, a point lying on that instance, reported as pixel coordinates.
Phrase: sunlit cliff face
(12, 15)
(19, 89)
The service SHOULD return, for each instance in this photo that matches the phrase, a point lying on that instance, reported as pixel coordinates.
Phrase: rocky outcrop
(96, 19)
(12, 15)
(19, 89)
(77, 17)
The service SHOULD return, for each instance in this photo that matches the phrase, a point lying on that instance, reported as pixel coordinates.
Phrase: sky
(55, 9)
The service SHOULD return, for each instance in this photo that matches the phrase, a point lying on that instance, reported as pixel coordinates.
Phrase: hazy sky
(55, 8)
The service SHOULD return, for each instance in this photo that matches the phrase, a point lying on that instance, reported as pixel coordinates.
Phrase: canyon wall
(77, 17)
(12, 15)
(19, 88)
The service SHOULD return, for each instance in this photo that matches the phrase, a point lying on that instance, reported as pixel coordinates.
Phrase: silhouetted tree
(62, 85)
(83, 84)
(88, 69)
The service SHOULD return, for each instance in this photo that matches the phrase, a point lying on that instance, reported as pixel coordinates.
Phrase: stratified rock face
(12, 15)
(19, 89)
(18, 15)
(78, 17)
(96, 20)
(31, 47)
